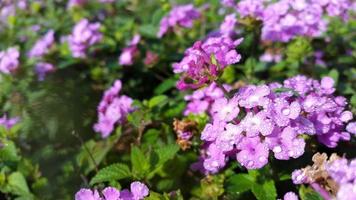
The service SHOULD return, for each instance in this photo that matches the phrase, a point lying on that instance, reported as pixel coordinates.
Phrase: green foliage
(112, 172)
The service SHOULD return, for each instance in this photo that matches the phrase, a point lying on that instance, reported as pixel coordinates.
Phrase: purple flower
(290, 196)
(139, 190)
(128, 53)
(228, 25)
(285, 111)
(9, 60)
(269, 57)
(84, 35)
(252, 8)
(111, 193)
(228, 3)
(346, 192)
(215, 159)
(253, 153)
(42, 69)
(286, 145)
(87, 194)
(351, 128)
(252, 96)
(200, 101)
(8, 123)
(255, 124)
(273, 117)
(43, 45)
(225, 110)
(182, 16)
(112, 109)
(211, 131)
(205, 60)
(298, 177)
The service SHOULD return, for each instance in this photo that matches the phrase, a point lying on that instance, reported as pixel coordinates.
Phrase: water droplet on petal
(277, 149)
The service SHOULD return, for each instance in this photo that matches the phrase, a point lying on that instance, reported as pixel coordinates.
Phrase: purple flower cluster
(8, 8)
(290, 196)
(203, 62)
(252, 8)
(200, 101)
(285, 19)
(8, 123)
(128, 53)
(84, 35)
(264, 118)
(138, 191)
(42, 46)
(228, 26)
(182, 16)
(9, 60)
(42, 69)
(112, 109)
(344, 173)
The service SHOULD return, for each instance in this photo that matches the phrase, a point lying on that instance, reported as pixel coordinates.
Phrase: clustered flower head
(8, 8)
(203, 62)
(138, 191)
(290, 196)
(286, 19)
(333, 177)
(264, 118)
(9, 60)
(129, 52)
(200, 101)
(112, 109)
(182, 16)
(227, 27)
(42, 46)
(42, 69)
(8, 123)
(84, 35)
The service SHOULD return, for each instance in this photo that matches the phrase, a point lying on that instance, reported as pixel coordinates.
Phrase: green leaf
(18, 184)
(98, 151)
(140, 164)
(157, 100)
(166, 153)
(267, 191)
(113, 172)
(156, 196)
(239, 183)
(9, 152)
(165, 86)
(148, 30)
(307, 193)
